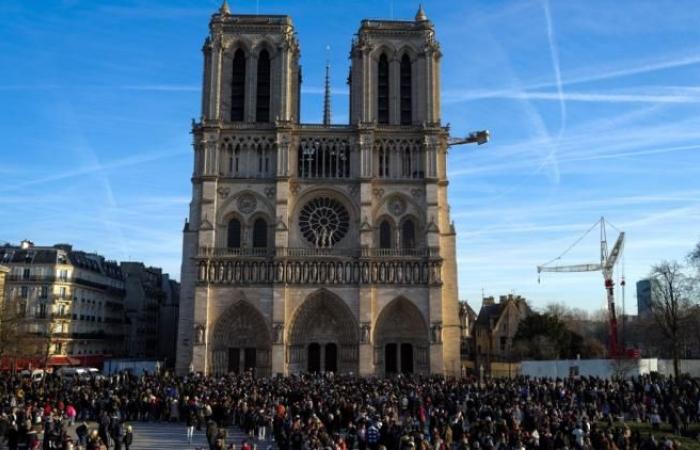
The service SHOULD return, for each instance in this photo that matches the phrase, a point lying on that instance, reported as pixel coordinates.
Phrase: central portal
(322, 358)
(324, 336)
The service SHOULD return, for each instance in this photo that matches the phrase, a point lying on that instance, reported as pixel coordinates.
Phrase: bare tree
(694, 256)
(10, 322)
(671, 305)
(16, 342)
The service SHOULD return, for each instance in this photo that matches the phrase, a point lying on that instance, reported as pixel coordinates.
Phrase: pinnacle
(224, 9)
(420, 15)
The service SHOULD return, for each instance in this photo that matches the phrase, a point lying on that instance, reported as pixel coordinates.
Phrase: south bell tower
(319, 247)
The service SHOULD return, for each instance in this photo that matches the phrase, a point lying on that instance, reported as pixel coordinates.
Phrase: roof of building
(59, 254)
(465, 305)
(488, 312)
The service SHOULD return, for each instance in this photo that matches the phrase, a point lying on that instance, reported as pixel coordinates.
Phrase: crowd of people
(323, 411)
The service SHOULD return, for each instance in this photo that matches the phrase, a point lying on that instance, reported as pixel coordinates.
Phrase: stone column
(215, 79)
(251, 77)
(206, 79)
(367, 307)
(394, 90)
(284, 111)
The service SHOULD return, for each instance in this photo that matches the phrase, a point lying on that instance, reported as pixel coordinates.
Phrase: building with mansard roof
(67, 305)
(319, 247)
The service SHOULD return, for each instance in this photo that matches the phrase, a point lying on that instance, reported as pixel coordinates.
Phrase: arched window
(385, 234)
(260, 233)
(406, 111)
(408, 234)
(234, 234)
(384, 161)
(407, 162)
(237, 160)
(262, 111)
(238, 87)
(383, 90)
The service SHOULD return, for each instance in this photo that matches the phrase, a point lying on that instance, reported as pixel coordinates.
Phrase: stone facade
(495, 328)
(319, 247)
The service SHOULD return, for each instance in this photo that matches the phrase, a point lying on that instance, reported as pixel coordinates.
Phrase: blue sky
(593, 107)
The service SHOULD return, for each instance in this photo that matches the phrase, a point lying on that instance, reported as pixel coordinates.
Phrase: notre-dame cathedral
(319, 247)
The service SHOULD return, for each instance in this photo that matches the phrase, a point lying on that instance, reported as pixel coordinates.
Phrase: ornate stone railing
(413, 271)
(208, 252)
(302, 252)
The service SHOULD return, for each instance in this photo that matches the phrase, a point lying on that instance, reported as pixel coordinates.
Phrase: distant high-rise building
(644, 297)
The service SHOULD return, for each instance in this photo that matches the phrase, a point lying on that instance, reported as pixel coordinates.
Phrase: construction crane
(476, 137)
(606, 266)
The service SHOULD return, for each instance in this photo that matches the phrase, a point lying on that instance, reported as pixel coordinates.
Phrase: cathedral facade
(319, 247)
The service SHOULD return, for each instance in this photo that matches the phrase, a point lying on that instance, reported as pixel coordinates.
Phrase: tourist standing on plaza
(191, 421)
(128, 437)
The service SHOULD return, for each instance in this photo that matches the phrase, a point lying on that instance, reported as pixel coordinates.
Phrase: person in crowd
(128, 437)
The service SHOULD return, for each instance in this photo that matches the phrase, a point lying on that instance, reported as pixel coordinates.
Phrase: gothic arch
(378, 231)
(241, 330)
(266, 44)
(228, 207)
(386, 49)
(323, 318)
(401, 323)
(407, 49)
(269, 228)
(412, 208)
(401, 227)
(239, 43)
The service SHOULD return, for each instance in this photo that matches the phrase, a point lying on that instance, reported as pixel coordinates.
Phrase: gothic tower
(314, 247)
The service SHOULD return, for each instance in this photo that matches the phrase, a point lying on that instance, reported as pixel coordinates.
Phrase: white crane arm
(573, 268)
(615, 252)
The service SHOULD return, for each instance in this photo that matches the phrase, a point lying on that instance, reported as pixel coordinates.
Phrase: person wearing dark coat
(128, 437)
(81, 433)
(117, 433)
(212, 432)
(103, 430)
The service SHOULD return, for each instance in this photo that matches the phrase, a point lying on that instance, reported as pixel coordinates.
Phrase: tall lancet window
(383, 90)
(260, 233)
(238, 87)
(233, 234)
(262, 110)
(408, 234)
(406, 111)
(385, 234)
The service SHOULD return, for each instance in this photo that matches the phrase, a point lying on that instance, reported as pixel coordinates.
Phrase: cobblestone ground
(173, 436)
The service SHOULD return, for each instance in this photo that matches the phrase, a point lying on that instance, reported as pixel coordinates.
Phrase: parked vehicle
(36, 375)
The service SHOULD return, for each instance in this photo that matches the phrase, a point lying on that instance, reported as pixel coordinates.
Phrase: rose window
(324, 222)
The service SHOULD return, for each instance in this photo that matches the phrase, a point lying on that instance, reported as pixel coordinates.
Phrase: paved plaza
(173, 436)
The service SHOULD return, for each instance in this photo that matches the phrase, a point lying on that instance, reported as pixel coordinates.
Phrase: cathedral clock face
(324, 221)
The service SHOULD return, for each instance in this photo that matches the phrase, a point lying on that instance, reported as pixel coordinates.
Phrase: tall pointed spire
(420, 15)
(225, 10)
(327, 91)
